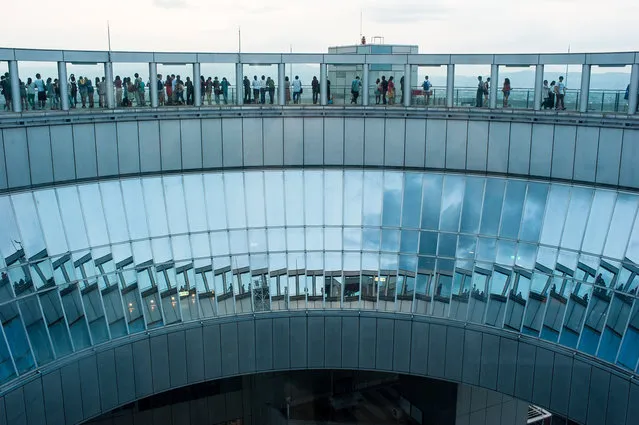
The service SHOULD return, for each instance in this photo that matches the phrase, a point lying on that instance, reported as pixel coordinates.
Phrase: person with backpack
(216, 90)
(190, 91)
(90, 92)
(139, 90)
(297, 90)
(506, 90)
(384, 89)
(315, 89)
(356, 85)
(426, 86)
(73, 87)
(270, 85)
(224, 85)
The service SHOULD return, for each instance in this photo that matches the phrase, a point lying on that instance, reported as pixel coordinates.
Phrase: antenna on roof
(109, 34)
(361, 22)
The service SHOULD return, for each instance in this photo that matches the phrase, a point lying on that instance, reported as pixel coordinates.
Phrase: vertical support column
(323, 85)
(585, 88)
(281, 84)
(197, 88)
(539, 83)
(365, 84)
(239, 84)
(108, 86)
(407, 85)
(16, 102)
(64, 85)
(450, 85)
(633, 96)
(153, 84)
(494, 82)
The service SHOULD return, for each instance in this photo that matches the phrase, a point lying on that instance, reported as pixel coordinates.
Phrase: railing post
(239, 84)
(108, 86)
(634, 88)
(197, 88)
(64, 86)
(16, 101)
(539, 83)
(494, 82)
(281, 84)
(585, 87)
(153, 84)
(450, 85)
(407, 86)
(365, 85)
(323, 85)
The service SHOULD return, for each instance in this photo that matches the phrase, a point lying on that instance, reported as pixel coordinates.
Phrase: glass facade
(84, 264)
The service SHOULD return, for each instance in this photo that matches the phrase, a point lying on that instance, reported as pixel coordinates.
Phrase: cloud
(409, 13)
(171, 4)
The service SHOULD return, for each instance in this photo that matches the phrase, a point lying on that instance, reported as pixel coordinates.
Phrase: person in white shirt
(560, 89)
(255, 84)
(297, 89)
(263, 90)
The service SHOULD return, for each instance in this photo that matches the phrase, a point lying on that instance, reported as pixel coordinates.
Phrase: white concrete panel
(609, 156)
(313, 141)
(435, 144)
(563, 152)
(586, 149)
(541, 150)
(252, 141)
(354, 141)
(273, 129)
(293, 141)
(3, 165)
(456, 136)
(232, 142)
(211, 143)
(85, 153)
(477, 146)
(629, 172)
(394, 138)
(191, 137)
(519, 155)
(106, 149)
(16, 156)
(498, 140)
(128, 147)
(38, 55)
(62, 152)
(40, 160)
(415, 147)
(170, 145)
(79, 56)
(334, 141)
(149, 137)
(374, 141)
(177, 58)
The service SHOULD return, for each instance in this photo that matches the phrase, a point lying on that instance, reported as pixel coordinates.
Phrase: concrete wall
(99, 380)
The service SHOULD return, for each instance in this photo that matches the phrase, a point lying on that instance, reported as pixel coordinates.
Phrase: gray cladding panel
(562, 372)
(177, 358)
(313, 141)
(125, 373)
(367, 337)
(507, 365)
(106, 144)
(195, 355)
(419, 348)
(609, 156)
(350, 342)
(273, 141)
(211, 143)
(456, 136)
(489, 359)
(85, 152)
(53, 404)
(563, 152)
(586, 148)
(149, 137)
(3, 174)
(40, 160)
(160, 363)
(472, 357)
(212, 352)
(435, 144)
(598, 397)
(477, 146)
(454, 353)
(293, 141)
(541, 150)
(246, 345)
(281, 343)
(72, 393)
(142, 368)
(170, 145)
(334, 141)
(629, 172)
(191, 136)
(252, 137)
(128, 147)
(62, 152)
(264, 340)
(229, 348)
(402, 348)
(415, 146)
(316, 343)
(541, 384)
(89, 384)
(14, 403)
(108, 386)
(16, 156)
(374, 141)
(34, 398)
(394, 136)
(298, 344)
(333, 342)
(384, 343)
(437, 351)
(498, 141)
(354, 141)
(519, 156)
(633, 402)
(578, 406)
(617, 402)
(525, 371)
(232, 142)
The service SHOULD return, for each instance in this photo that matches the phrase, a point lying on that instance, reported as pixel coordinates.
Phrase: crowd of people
(552, 96)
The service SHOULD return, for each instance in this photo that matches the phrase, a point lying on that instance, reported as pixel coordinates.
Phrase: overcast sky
(437, 26)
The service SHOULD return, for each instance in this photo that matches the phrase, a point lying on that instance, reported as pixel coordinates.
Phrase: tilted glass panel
(196, 203)
(598, 307)
(621, 225)
(632, 252)
(493, 201)
(471, 211)
(372, 201)
(294, 195)
(536, 305)
(452, 199)
(371, 239)
(598, 222)
(500, 283)
(187, 291)
(618, 315)
(10, 241)
(215, 205)
(462, 285)
(13, 328)
(560, 289)
(7, 369)
(175, 204)
(353, 197)
(411, 208)
(555, 215)
(134, 208)
(424, 285)
(37, 332)
(352, 239)
(391, 213)
(155, 207)
(313, 197)
(255, 200)
(447, 245)
(443, 292)
(431, 201)
(506, 252)
(333, 197)
(56, 322)
(114, 212)
(517, 299)
(113, 307)
(629, 351)
(532, 220)
(578, 210)
(32, 240)
(49, 213)
(223, 286)
(235, 202)
(512, 209)
(486, 249)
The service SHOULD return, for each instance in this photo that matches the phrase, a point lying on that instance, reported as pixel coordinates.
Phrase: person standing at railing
(50, 93)
(486, 91)
(384, 83)
(401, 88)
(255, 84)
(118, 90)
(378, 91)
(391, 90)
(315, 89)
(297, 90)
(263, 90)
(270, 84)
(506, 90)
(42, 92)
(479, 98)
(356, 85)
(23, 95)
(225, 90)
(426, 86)
(31, 90)
(190, 91)
(287, 90)
(545, 94)
(216, 90)
(73, 87)
(208, 89)
(169, 90)
(160, 85)
(247, 90)
(560, 90)
(202, 89)
(90, 92)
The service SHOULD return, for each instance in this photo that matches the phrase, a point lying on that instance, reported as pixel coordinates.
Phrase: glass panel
(235, 202)
(214, 193)
(512, 209)
(621, 225)
(447, 245)
(533, 212)
(313, 197)
(473, 196)
(294, 195)
(134, 208)
(196, 202)
(47, 204)
(255, 200)
(499, 288)
(155, 207)
(333, 192)
(600, 213)
(431, 201)
(411, 209)
(580, 199)
(493, 200)
(555, 215)
(443, 291)
(373, 193)
(392, 199)
(353, 191)
(451, 203)
(29, 224)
